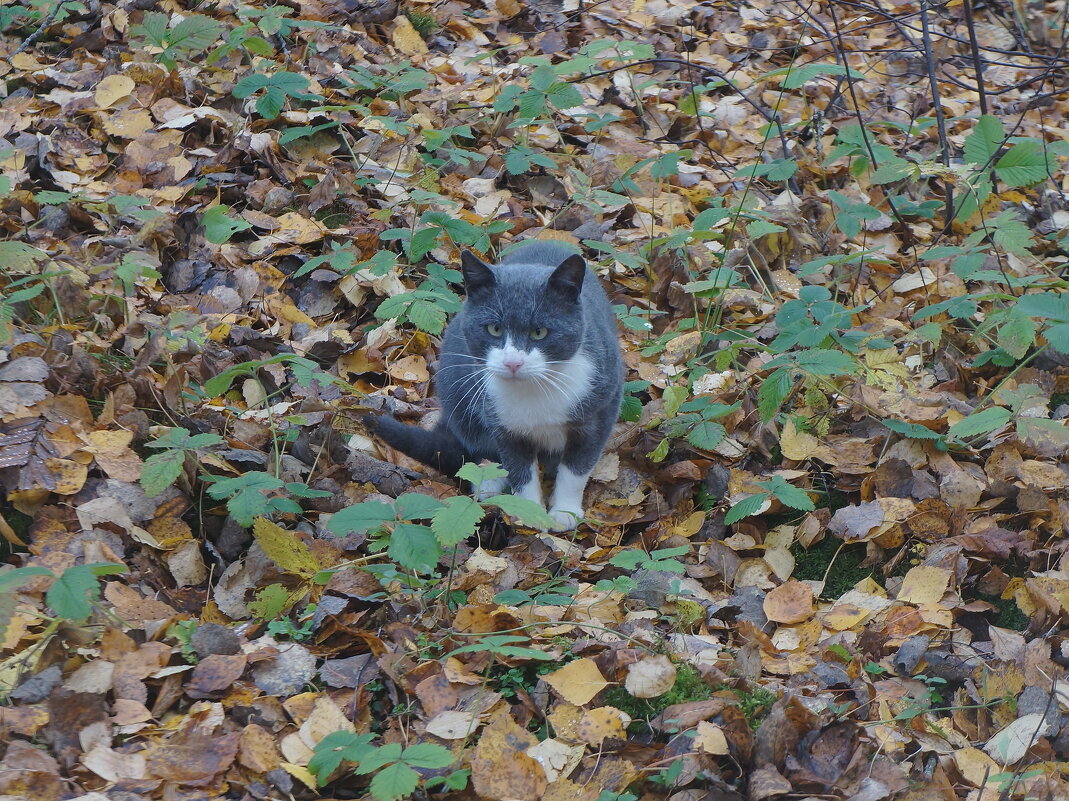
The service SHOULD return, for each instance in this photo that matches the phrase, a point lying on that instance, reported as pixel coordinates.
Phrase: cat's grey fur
(530, 372)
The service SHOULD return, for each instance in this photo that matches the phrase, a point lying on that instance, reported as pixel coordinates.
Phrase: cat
(530, 371)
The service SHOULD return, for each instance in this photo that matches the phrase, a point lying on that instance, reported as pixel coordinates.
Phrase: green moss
(756, 705)
(424, 24)
(1009, 615)
(689, 686)
(811, 564)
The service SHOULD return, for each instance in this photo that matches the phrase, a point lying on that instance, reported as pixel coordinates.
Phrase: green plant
(34, 11)
(692, 420)
(554, 592)
(418, 547)
(662, 559)
(273, 91)
(73, 595)
(219, 226)
(162, 469)
(259, 494)
(182, 631)
(428, 306)
(394, 767)
(776, 487)
(194, 34)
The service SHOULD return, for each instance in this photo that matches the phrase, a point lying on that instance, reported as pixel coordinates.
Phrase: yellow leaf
(924, 586)
(797, 445)
(284, 549)
(406, 38)
(113, 89)
(577, 682)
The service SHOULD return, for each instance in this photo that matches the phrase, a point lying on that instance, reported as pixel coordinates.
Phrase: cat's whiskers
(548, 378)
(561, 381)
(472, 386)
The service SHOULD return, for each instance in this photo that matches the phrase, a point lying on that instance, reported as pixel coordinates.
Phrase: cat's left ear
(478, 277)
(567, 280)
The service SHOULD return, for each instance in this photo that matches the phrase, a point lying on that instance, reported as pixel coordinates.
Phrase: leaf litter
(823, 553)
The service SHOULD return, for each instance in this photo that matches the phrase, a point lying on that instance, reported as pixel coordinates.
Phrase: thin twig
(33, 37)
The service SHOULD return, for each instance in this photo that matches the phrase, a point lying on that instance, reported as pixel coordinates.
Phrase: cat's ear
(478, 277)
(567, 280)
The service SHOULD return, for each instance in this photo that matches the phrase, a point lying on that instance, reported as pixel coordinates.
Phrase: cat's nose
(514, 363)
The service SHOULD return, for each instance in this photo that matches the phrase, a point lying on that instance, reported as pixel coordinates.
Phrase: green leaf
(13, 579)
(426, 316)
(161, 470)
(153, 27)
(790, 495)
(195, 32)
(360, 517)
(629, 559)
(983, 143)
(818, 361)
(270, 602)
(1024, 164)
(673, 398)
(911, 430)
(382, 755)
(706, 435)
(477, 474)
(72, 594)
(1045, 306)
(218, 227)
(772, 392)
(797, 76)
(414, 547)
(894, 169)
(19, 257)
(760, 228)
(525, 510)
(429, 756)
(1017, 335)
(1057, 337)
(394, 782)
(630, 409)
(978, 423)
(416, 506)
(335, 748)
(456, 520)
(745, 508)
(249, 85)
(270, 103)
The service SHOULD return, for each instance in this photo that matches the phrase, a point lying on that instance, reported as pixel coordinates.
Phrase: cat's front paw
(489, 488)
(564, 519)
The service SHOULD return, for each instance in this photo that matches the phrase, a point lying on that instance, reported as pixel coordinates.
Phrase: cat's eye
(539, 333)
(495, 330)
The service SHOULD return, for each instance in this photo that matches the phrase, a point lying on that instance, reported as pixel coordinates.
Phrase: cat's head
(526, 320)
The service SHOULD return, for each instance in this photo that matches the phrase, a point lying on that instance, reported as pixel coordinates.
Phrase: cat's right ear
(478, 277)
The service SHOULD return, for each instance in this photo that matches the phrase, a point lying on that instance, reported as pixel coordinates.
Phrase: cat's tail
(437, 447)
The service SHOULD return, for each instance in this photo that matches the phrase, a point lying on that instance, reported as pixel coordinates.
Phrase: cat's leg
(581, 453)
(490, 488)
(566, 504)
(519, 458)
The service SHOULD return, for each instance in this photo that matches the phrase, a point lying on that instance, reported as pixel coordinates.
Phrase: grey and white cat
(530, 373)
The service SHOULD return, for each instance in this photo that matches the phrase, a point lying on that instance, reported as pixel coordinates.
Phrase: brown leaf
(791, 602)
(501, 770)
(193, 759)
(214, 673)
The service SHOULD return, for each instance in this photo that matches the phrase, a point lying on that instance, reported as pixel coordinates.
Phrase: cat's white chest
(539, 408)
